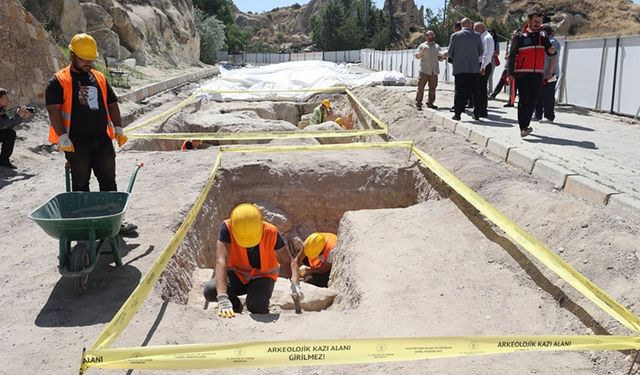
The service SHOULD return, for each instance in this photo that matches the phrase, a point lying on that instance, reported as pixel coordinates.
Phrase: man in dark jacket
(526, 63)
(465, 49)
(7, 134)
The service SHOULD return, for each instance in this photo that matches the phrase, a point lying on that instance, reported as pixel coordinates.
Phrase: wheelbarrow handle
(132, 180)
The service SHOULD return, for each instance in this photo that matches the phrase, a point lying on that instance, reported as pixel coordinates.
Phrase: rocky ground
(427, 267)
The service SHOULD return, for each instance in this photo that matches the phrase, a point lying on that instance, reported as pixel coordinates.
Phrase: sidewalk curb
(560, 177)
(154, 88)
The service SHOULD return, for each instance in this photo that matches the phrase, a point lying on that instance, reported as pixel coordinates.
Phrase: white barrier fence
(598, 74)
(274, 58)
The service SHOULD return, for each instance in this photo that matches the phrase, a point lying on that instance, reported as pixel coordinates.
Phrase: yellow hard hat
(313, 245)
(246, 225)
(326, 103)
(84, 46)
(340, 121)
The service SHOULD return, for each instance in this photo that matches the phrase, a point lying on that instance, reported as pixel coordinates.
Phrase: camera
(30, 109)
(546, 17)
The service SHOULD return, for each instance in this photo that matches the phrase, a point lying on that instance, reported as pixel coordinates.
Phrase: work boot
(127, 228)
(419, 106)
(432, 106)
(7, 164)
(508, 105)
(525, 132)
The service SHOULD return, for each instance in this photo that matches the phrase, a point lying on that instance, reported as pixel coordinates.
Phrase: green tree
(222, 9)
(212, 37)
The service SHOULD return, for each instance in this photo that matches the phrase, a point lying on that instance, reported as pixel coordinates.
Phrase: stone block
(449, 124)
(498, 149)
(522, 159)
(551, 172)
(463, 129)
(478, 138)
(589, 190)
(625, 202)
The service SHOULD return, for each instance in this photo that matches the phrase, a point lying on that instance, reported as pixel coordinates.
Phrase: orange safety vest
(330, 241)
(65, 80)
(531, 52)
(238, 260)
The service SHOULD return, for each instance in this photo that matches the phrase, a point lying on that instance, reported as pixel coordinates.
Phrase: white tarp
(292, 75)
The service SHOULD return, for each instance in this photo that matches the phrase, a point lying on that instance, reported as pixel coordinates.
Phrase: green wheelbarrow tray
(91, 217)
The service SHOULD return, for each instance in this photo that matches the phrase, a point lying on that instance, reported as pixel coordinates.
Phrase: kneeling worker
(321, 113)
(315, 253)
(248, 256)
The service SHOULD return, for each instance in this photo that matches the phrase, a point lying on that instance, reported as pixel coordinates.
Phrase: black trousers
(8, 139)
(258, 293)
(320, 280)
(466, 86)
(547, 102)
(92, 153)
(483, 98)
(529, 86)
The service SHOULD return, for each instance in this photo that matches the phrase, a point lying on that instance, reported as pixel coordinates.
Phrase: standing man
(249, 252)
(429, 55)
(486, 67)
(547, 100)
(465, 48)
(7, 134)
(526, 62)
(85, 117)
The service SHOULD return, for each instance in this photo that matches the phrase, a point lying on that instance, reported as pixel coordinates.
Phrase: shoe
(456, 117)
(7, 164)
(476, 117)
(508, 105)
(452, 109)
(547, 120)
(432, 106)
(526, 132)
(127, 228)
(537, 118)
(492, 97)
(419, 107)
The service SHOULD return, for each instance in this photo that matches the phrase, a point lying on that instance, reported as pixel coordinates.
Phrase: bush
(212, 36)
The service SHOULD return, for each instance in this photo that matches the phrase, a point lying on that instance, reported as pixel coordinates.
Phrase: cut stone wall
(30, 56)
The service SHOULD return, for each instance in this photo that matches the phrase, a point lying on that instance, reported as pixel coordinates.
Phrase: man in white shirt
(429, 55)
(486, 67)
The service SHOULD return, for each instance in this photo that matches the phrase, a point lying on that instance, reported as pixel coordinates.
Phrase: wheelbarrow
(88, 218)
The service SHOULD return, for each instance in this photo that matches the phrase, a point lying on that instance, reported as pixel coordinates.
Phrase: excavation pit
(256, 117)
(300, 193)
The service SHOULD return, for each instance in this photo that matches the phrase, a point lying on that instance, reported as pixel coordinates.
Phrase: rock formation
(30, 55)
(158, 31)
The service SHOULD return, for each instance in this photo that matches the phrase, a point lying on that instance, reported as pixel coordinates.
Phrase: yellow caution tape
(321, 90)
(533, 246)
(137, 297)
(340, 351)
(164, 115)
(250, 136)
(333, 147)
(381, 123)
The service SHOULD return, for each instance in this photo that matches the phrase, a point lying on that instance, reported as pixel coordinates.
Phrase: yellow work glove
(65, 144)
(120, 137)
(225, 307)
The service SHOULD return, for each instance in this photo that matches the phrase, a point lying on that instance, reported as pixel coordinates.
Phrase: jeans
(258, 292)
(92, 153)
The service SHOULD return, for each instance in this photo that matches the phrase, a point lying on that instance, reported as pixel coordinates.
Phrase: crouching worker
(321, 113)
(249, 252)
(314, 260)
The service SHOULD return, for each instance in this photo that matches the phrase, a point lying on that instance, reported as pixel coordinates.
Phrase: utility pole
(444, 17)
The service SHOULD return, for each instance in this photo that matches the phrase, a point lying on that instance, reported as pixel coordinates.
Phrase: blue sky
(259, 6)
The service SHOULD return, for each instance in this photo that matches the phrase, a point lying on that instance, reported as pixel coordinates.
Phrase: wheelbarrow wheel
(78, 260)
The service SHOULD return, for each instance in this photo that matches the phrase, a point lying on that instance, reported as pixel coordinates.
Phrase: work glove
(120, 137)
(225, 307)
(303, 270)
(296, 291)
(65, 144)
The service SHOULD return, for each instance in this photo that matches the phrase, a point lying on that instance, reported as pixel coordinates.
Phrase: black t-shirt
(253, 253)
(84, 120)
